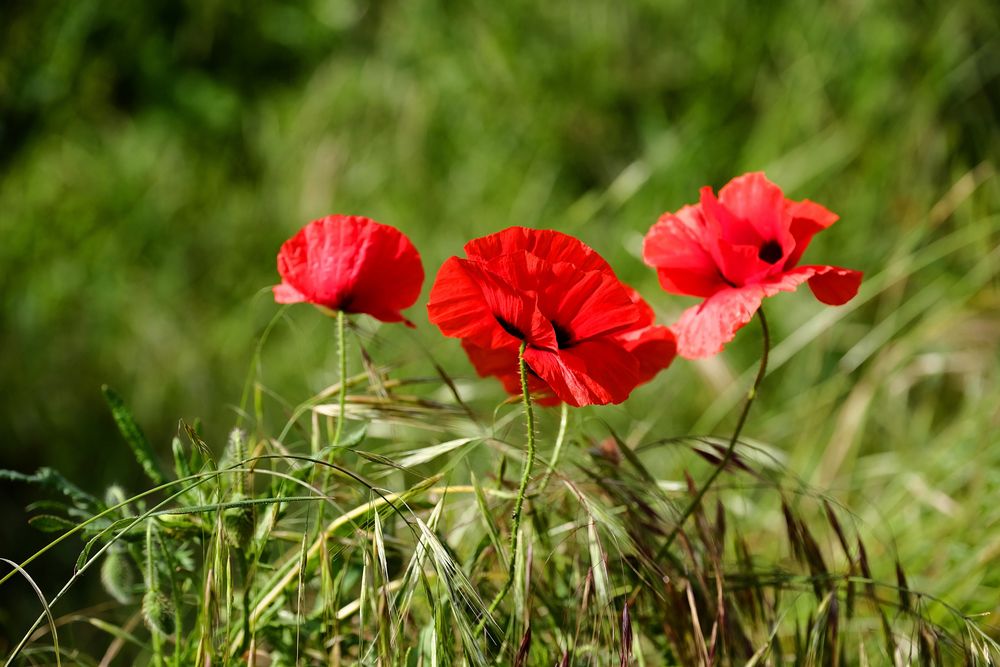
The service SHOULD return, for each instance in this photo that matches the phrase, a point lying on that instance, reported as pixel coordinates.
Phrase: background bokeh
(154, 155)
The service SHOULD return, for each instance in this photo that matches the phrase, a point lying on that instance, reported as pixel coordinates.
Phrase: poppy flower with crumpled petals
(352, 264)
(734, 250)
(590, 340)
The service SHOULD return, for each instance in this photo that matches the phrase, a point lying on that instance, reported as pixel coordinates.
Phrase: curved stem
(342, 394)
(731, 449)
(529, 461)
(557, 450)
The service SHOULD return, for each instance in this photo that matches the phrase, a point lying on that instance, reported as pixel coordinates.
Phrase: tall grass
(383, 546)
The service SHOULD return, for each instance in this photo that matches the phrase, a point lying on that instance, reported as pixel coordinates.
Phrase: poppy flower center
(509, 328)
(770, 252)
(563, 337)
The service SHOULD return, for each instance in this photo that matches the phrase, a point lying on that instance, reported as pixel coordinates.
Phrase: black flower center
(563, 337)
(509, 328)
(770, 252)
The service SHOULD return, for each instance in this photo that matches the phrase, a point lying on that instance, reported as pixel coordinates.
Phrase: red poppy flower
(735, 250)
(590, 339)
(353, 264)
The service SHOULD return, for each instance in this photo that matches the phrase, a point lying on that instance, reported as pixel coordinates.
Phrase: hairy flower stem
(730, 450)
(342, 394)
(529, 461)
(342, 403)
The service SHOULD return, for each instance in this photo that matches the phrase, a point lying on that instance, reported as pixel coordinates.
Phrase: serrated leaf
(50, 523)
(47, 506)
(134, 436)
(52, 480)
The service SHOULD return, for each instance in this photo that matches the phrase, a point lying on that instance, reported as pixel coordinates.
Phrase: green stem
(341, 403)
(529, 420)
(557, 450)
(730, 450)
(342, 395)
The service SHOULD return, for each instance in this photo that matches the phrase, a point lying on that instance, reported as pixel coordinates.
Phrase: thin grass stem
(557, 450)
(730, 450)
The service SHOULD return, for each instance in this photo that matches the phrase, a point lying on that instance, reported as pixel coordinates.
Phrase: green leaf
(134, 436)
(53, 481)
(81, 560)
(50, 523)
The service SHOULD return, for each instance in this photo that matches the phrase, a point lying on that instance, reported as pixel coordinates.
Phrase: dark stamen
(563, 337)
(770, 252)
(509, 328)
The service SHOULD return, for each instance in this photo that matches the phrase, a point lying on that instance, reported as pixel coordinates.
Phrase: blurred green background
(154, 155)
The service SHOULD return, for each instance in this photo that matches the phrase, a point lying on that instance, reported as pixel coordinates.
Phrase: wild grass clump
(281, 548)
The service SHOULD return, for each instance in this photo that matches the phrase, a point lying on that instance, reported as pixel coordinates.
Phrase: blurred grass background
(154, 156)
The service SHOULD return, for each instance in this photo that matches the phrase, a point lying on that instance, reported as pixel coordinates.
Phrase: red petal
(498, 362)
(807, 218)
(654, 348)
(285, 293)
(677, 247)
(502, 363)
(318, 262)
(725, 224)
(353, 264)
(703, 330)
(546, 244)
(389, 276)
(586, 305)
(752, 197)
(467, 299)
(596, 372)
(833, 285)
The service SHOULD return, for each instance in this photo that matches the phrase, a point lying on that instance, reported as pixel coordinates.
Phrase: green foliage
(134, 436)
(296, 557)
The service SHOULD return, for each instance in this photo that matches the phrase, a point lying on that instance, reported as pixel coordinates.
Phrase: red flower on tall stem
(735, 249)
(590, 339)
(351, 264)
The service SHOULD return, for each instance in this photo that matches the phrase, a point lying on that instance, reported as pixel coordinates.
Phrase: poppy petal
(703, 330)
(654, 348)
(807, 219)
(590, 338)
(502, 363)
(389, 273)
(353, 264)
(548, 244)
(318, 261)
(755, 199)
(285, 293)
(469, 302)
(509, 283)
(832, 285)
(676, 247)
(587, 305)
(595, 372)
